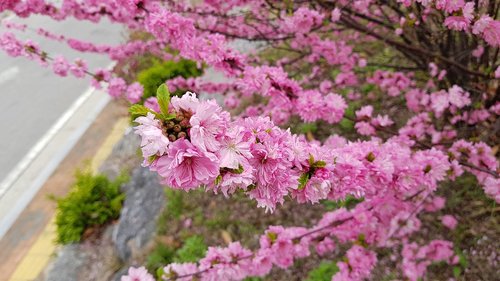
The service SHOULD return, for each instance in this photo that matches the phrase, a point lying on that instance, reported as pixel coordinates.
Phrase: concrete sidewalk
(27, 246)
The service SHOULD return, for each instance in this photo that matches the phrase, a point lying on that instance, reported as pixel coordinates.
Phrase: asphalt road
(32, 99)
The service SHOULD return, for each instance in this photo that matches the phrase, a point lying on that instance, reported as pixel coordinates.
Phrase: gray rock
(119, 274)
(124, 155)
(143, 203)
(68, 264)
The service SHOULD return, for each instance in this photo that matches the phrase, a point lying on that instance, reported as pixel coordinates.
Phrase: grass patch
(93, 201)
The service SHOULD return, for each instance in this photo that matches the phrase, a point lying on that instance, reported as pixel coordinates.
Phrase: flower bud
(184, 123)
(170, 125)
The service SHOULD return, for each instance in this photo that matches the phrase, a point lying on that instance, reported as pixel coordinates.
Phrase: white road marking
(33, 153)
(8, 74)
(27, 185)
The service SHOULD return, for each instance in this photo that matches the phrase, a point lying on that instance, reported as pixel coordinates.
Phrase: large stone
(143, 203)
(124, 156)
(68, 265)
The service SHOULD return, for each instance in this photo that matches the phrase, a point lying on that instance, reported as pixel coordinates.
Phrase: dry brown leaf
(226, 236)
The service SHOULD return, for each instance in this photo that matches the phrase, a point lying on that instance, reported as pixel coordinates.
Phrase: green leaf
(160, 272)
(218, 180)
(272, 236)
(311, 160)
(239, 170)
(168, 116)
(192, 250)
(303, 179)
(457, 271)
(163, 96)
(323, 272)
(319, 164)
(138, 110)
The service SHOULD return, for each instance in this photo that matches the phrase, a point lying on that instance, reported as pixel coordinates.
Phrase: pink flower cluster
(202, 146)
(416, 258)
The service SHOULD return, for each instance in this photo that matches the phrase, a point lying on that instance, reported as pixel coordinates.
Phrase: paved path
(35, 106)
(27, 245)
(32, 98)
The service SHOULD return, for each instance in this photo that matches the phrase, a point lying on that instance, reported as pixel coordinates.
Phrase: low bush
(161, 71)
(323, 272)
(93, 201)
(192, 249)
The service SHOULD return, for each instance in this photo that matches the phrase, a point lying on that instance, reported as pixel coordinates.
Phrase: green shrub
(192, 250)
(93, 201)
(349, 202)
(323, 272)
(161, 256)
(159, 72)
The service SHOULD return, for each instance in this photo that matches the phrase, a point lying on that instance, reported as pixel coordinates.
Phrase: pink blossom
(364, 128)
(491, 33)
(7, 4)
(186, 167)
(335, 15)
(478, 52)
(449, 221)
(153, 141)
(134, 92)
(315, 190)
(456, 23)
(433, 69)
(137, 274)
(360, 264)
(491, 187)
(436, 204)
(235, 149)
(10, 44)
(61, 66)
(104, 75)
(458, 97)
(439, 102)
(310, 105)
(450, 6)
(262, 262)
(78, 68)
(468, 11)
(188, 102)
(364, 112)
(439, 250)
(325, 246)
(334, 107)
(497, 73)
(117, 87)
(325, 86)
(302, 20)
(481, 24)
(176, 269)
(382, 121)
(208, 121)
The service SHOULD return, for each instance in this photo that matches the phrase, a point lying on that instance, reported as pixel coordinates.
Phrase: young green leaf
(239, 170)
(311, 159)
(319, 164)
(303, 179)
(163, 96)
(138, 110)
(218, 180)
